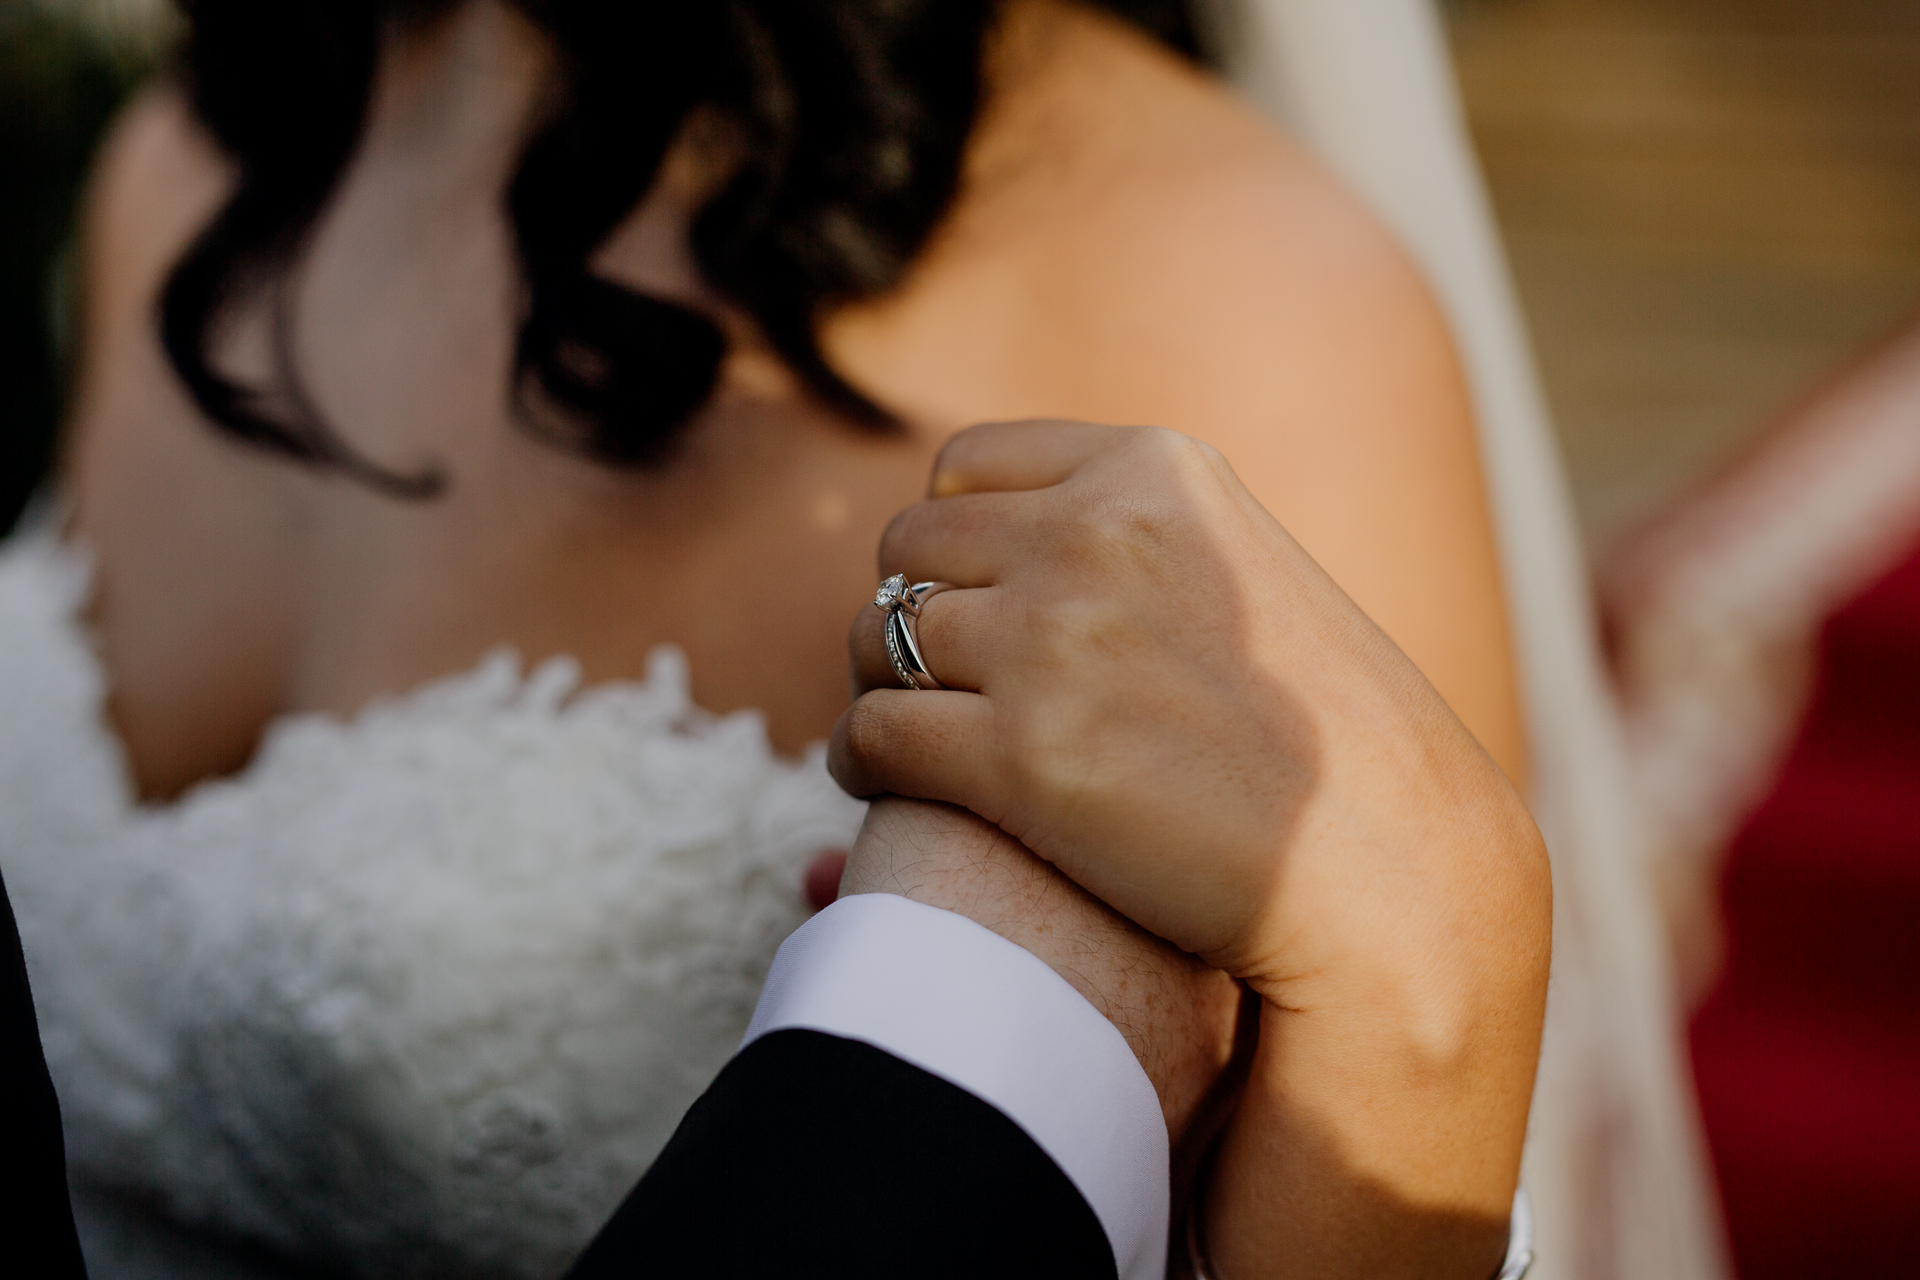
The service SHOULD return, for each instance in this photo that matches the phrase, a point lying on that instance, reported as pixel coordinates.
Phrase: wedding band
(902, 604)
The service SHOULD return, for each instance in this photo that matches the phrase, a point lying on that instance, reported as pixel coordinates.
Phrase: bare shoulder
(155, 182)
(187, 596)
(1138, 245)
(134, 436)
(1135, 243)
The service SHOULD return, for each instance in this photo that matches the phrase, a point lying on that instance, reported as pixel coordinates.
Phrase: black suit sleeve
(813, 1155)
(36, 1220)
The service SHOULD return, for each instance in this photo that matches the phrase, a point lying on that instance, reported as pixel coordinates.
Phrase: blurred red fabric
(1807, 1054)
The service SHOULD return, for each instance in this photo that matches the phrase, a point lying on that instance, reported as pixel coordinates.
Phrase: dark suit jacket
(810, 1155)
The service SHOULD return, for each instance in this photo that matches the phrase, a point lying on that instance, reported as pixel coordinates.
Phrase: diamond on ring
(893, 593)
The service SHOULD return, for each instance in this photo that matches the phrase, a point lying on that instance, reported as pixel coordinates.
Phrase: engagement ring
(902, 603)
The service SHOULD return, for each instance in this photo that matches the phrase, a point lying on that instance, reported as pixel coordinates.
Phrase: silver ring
(902, 604)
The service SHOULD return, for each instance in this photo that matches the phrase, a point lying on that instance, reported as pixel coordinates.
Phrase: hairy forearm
(1175, 1012)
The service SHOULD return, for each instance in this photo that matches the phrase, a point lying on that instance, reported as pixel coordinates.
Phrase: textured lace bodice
(422, 993)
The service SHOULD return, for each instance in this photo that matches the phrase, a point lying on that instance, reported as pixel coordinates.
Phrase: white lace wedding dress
(422, 993)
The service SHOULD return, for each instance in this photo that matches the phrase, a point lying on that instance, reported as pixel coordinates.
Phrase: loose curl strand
(851, 119)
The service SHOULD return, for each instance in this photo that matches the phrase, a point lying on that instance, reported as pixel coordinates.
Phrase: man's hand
(1177, 1013)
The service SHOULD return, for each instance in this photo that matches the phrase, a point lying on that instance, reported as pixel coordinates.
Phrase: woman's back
(1130, 245)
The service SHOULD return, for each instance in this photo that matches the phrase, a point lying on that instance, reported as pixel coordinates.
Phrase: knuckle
(1164, 492)
(871, 730)
(1156, 446)
(1184, 455)
(1175, 453)
(1205, 458)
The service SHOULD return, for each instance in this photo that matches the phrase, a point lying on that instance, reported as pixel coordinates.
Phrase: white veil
(1615, 1163)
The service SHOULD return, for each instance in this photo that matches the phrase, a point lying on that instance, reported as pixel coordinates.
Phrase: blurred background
(1706, 202)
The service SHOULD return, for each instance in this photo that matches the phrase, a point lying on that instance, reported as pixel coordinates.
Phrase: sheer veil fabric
(1615, 1162)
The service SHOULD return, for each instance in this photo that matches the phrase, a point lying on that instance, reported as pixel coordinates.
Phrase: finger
(964, 540)
(1001, 457)
(867, 653)
(957, 632)
(927, 746)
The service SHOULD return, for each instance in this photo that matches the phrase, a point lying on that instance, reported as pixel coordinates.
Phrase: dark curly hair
(852, 117)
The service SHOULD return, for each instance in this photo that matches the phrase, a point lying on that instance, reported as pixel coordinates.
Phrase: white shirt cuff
(957, 1000)
(1519, 1239)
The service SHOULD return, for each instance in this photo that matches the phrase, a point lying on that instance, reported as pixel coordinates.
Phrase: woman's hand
(1169, 700)
(1158, 691)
